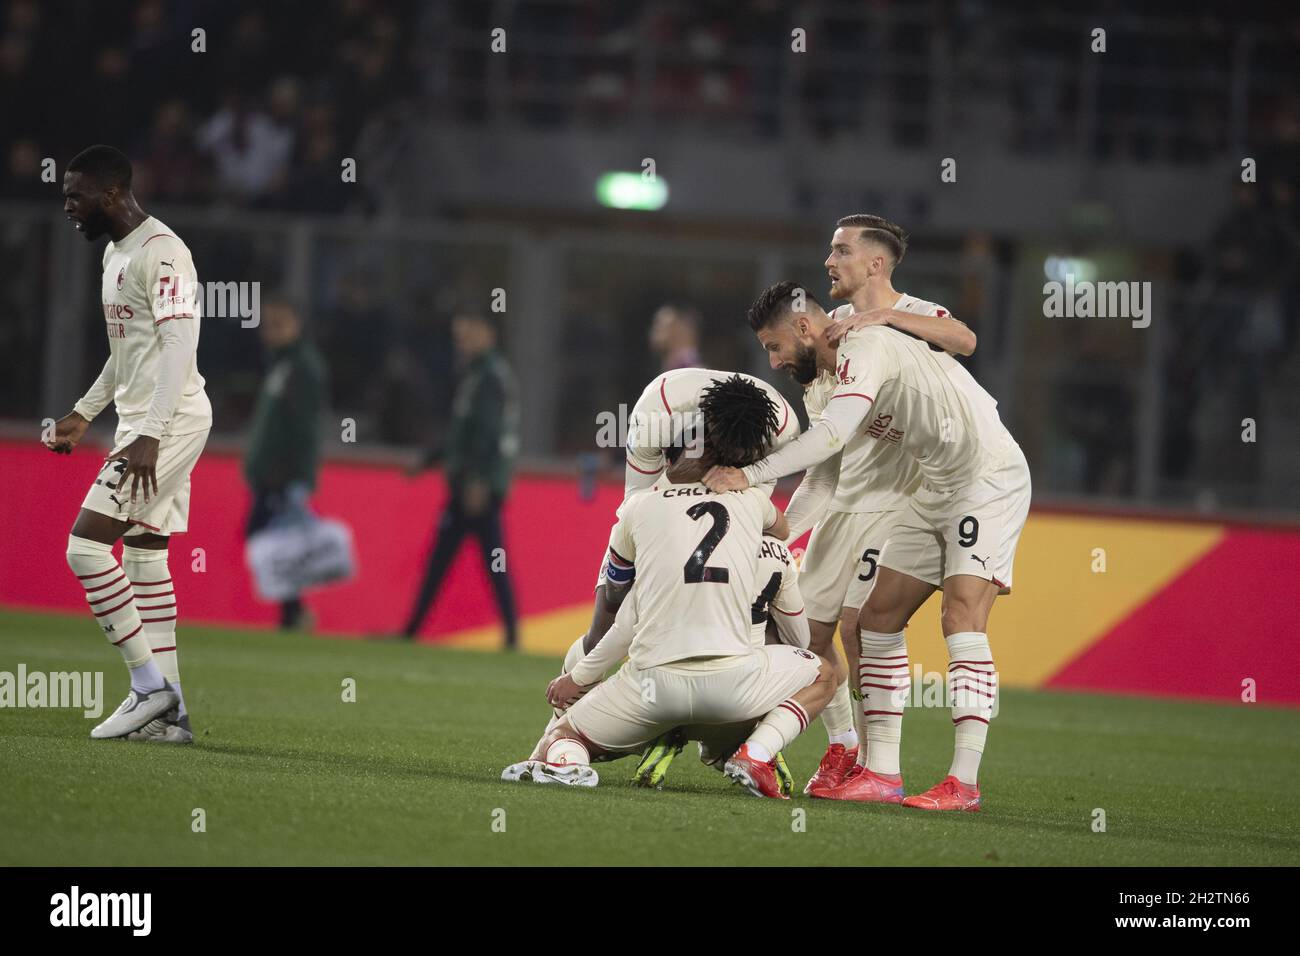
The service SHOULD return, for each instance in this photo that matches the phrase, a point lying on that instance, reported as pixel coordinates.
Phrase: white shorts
(635, 706)
(839, 567)
(973, 530)
(168, 510)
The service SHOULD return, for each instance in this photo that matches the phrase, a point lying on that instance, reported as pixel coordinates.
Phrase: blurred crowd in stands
(260, 119)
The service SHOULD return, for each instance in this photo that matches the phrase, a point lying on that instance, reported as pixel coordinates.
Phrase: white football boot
(539, 771)
(571, 774)
(520, 772)
(136, 711)
(170, 728)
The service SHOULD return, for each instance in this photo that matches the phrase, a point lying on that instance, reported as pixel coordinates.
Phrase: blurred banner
(1181, 608)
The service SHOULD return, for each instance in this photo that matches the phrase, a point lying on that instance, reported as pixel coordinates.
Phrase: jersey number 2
(697, 569)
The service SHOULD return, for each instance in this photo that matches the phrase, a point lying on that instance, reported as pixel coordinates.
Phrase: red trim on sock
(109, 597)
(891, 713)
(128, 637)
(163, 650)
(147, 584)
(100, 587)
(882, 686)
(88, 577)
(973, 690)
(155, 620)
(112, 609)
(958, 720)
(798, 713)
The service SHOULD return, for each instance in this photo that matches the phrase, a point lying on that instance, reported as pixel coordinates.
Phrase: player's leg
(789, 686)
(981, 528)
(452, 528)
(884, 682)
(614, 718)
(487, 528)
(823, 580)
(111, 602)
(144, 559)
(875, 530)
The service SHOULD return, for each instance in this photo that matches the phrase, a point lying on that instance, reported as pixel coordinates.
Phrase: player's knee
(84, 555)
(882, 619)
(960, 614)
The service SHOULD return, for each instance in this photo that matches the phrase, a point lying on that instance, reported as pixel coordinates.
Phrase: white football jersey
(696, 559)
(149, 280)
(874, 476)
(670, 403)
(924, 403)
(778, 588)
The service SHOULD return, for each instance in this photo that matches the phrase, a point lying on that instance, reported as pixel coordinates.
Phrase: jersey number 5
(697, 569)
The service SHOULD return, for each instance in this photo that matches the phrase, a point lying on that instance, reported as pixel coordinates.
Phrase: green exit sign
(631, 191)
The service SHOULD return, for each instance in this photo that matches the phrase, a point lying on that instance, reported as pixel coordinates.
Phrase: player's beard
(95, 225)
(804, 369)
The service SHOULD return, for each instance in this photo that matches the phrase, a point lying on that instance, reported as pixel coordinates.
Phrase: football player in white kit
(149, 295)
(686, 625)
(664, 418)
(852, 499)
(959, 532)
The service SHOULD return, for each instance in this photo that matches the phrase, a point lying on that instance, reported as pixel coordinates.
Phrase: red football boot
(756, 776)
(835, 765)
(866, 786)
(948, 794)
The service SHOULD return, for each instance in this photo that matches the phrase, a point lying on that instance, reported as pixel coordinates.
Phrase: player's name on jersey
(1085, 299)
(82, 689)
(632, 430)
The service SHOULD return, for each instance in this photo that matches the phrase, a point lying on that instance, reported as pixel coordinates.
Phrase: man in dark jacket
(284, 447)
(477, 455)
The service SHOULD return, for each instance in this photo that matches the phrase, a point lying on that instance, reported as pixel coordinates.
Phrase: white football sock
(155, 598)
(972, 688)
(886, 682)
(108, 593)
(568, 752)
(838, 718)
(774, 732)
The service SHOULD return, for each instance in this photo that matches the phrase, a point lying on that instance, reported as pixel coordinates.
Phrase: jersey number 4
(697, 569)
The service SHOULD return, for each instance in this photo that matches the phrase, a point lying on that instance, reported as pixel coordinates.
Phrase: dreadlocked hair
(739, 421)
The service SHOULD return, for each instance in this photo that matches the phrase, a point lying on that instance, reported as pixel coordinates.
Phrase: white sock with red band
(885, 681)
(972, 688)
(108, 592)
(774, 732)
(155, 598)
(838, 718)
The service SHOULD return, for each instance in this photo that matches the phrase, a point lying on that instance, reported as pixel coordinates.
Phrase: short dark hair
(888, 234)
(739, 421)
(104, 164)
(774, 301)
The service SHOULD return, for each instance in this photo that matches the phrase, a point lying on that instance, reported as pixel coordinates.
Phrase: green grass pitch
(288, 773)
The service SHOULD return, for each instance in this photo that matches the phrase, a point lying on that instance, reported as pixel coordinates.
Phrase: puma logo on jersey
(982, 561)
(164, 262)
